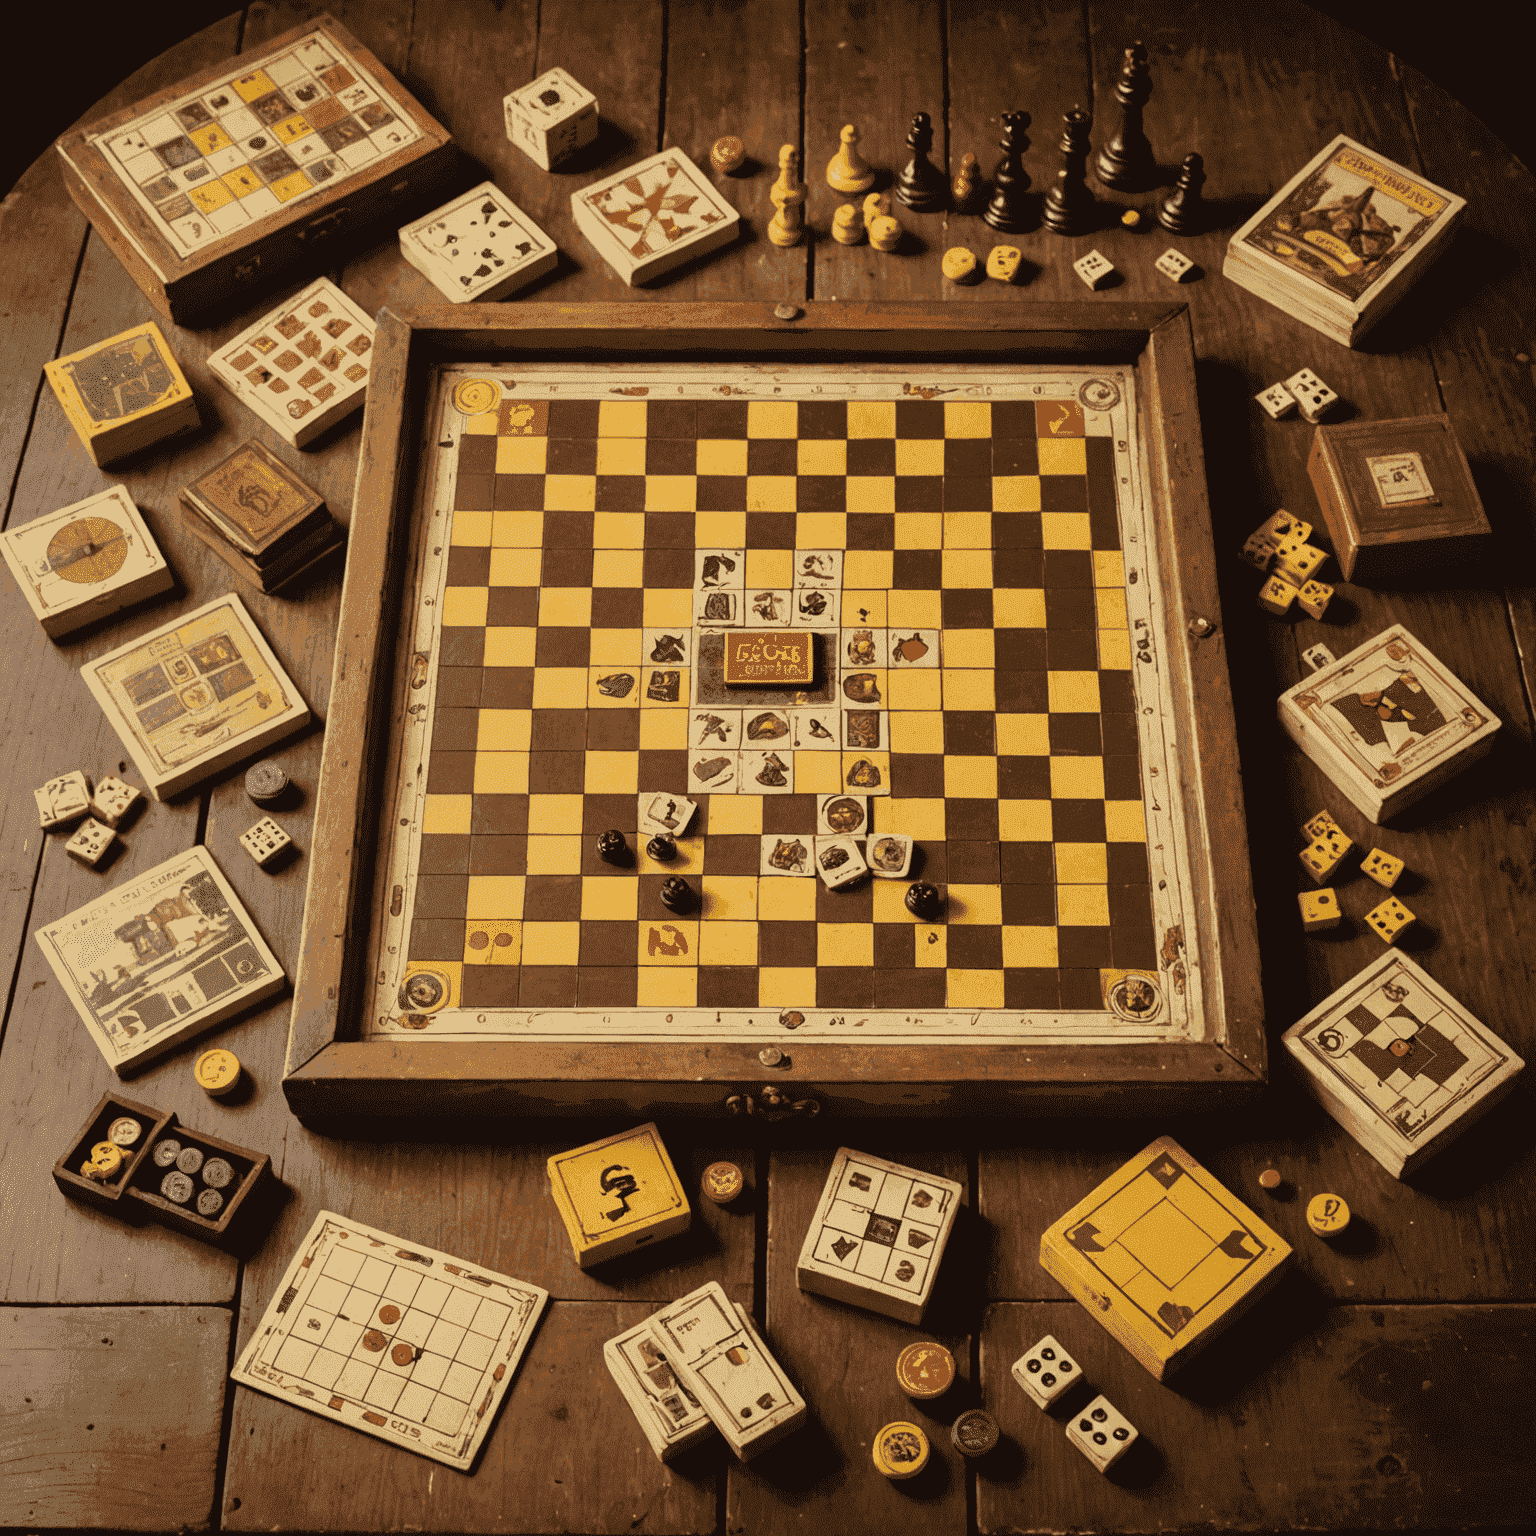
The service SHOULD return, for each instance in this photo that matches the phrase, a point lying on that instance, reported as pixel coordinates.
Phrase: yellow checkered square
(665, 987)
(917, 818)
(1015, 493)
(871, 418)
(821, 530)
(717, 530)
(552, 943)
(1063, 455)
(618, 568)
(492, 896)
(786, 986)
(967, 689)
(559, 687)
(871, 569)
(919, 530)
(920, 690)
(920, 456)
(975, 905)
(1082, 864)
(493, 941)
(550, 814)
(968, 530)
(721, 456)
(970, 778)
(617, 647)
(872, 602)
(728, 898)
(1082, 906)
(973, 989)
(821, 456)
(447, 814)
(618, 530)
(1077, 778)
(817, 773)
(566, 606)
(890, 898)
(967, 418)
(969, 568)
(728, 943)
(507, 646)
(1065, 530)
(612, 773)
(465, 607)
(658, 940)
(1124, 821)
(870, 493)
(621, 455)
(668, 608)
(930, 946)
(570, 493)
(1072, 693)
(671, 493)
(521, 455)
(471, 530)
(663, 730)
(1114, 650)
(916, 610)
(517, 530)
(1111, 605)
(1024, 735)
(1108, 568)
(504, 730)
(790, 901)
(773, 418)
(916, 730)
(501, 773)
(621, 418)
(606, 899)
(1024, 821)
(769, 568)
(968, 649)
(736, 815)
(514, 567)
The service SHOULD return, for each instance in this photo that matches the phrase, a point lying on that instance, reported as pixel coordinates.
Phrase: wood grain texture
(79, 1449)
(1303, 1417)
(843, 1359)
(565, 1454)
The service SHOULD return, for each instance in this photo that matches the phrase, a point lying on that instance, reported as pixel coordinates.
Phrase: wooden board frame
(331, 1072)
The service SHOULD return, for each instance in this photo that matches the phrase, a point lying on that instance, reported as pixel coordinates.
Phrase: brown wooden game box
(212, 191)
(777, 996)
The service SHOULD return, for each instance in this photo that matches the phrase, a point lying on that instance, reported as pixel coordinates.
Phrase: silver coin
(123, 1131)
(217, 1172)
(166, 1152)
(189, 1160)
(209, 1203)
(265, 781)
(176, 1186)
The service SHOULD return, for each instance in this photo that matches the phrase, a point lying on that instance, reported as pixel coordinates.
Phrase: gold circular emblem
(474, 397)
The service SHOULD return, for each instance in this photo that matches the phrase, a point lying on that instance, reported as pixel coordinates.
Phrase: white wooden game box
(1388, 722)
(479, 246)
(211, 191)
(1399, 1063)
(159, 959)
(196, 695)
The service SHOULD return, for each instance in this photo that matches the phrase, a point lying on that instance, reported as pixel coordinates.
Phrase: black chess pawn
(662, 848)
(676, 894)
(923, 899)
(922, 186)
(1069, 204)
(1126, 162)
(612, 849)
(1010, 181)
(1183, 210)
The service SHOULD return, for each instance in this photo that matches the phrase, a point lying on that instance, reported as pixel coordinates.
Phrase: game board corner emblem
(1132, 996)
(1098, 395)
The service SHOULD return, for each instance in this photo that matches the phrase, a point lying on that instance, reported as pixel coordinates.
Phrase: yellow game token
(959, 265)
(925, 1370)
(104, 1163)
(1270, 1178)
(1131, 219)
(217, 1071)
(900, 1451)
(1003, 262)
(1327, 1215)
(476, 396)
(722, 1182)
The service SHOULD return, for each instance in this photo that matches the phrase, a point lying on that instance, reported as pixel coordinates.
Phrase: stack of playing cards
(258, 517)
(1343, 240)
(479, 246)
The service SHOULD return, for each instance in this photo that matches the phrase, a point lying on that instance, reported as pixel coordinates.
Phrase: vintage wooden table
(1386, 1383)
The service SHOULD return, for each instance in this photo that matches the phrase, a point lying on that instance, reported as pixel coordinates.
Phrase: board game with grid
(972, 555)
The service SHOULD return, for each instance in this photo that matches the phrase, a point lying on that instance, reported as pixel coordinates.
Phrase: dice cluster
(1100, 1431)
(1280, 549)
(1324, 857)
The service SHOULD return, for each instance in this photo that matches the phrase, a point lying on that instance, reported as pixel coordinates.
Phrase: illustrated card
(880, 1226)
(160, 958)
(306, 361)
(670, 1415)
(1166, 1245)
(408, 1344)
(1348, 219)
(195, 690)
(71, 557)
(480, 242)
(1391, 709)
(254, 498)
(661, 204)
(717, 1353)
(1407, 1058)
(279, 128)
(112, 382)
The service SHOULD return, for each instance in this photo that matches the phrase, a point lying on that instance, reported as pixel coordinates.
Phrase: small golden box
(769, 656)
(618, 1194)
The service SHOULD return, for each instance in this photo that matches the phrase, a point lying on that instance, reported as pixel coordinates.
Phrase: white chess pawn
(848, 170)
(787, 226)
(847, 225)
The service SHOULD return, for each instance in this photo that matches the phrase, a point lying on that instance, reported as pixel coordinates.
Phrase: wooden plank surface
(79, 1449)
(565, 1454)
(843, 1359)
(1301, 1417)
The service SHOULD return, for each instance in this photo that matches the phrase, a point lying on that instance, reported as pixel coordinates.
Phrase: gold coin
(900, 1450)
(105, 1162)
(474, 397)
(722, 1182)
(925, 1370)
(1327, 1215)
(217, 1071)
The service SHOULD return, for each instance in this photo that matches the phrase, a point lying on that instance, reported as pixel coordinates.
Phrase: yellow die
(1003, 262)
(1319, 910)
(1382, 868)
(1322, 825)
(617, 1194)
(1276, 596)
(1322, 857)
(1314, 598)
(1259, 550)
(1284, 526)
(1391, 920)
(1296, 560)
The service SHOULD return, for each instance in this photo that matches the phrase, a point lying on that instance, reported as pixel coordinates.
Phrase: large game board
(975, 561)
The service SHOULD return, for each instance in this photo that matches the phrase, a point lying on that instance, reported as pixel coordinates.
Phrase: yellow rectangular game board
(1163, 1256)
(974, 566)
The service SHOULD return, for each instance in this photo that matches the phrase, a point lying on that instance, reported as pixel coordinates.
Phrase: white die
(1094, 269)
(1102, 1433)
(551, 118)
(1277, 401)
(62, 800)
(265, 842)
(112, 800)
(90, 843)
(1174, 265)
(1312, 395)
(1045, 1372)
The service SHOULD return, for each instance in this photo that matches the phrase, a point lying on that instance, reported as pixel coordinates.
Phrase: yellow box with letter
(618, 1194)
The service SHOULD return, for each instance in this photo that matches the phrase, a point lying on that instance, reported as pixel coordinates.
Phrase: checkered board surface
(1008, 749)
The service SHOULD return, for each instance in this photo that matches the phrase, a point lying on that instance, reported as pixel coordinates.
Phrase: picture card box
(302, 367)
(159, 959)
(212, 191)
(671, 1417)
(85, 562)
(479, 246)
(653, 216)
(256, 502)
(123, 394)
(878, 1235)
(717, 1354)
(617, 1194)
(1397, 497)
(1399, 1063)
(196, 695)
(1387, 722)
(400, 1341)
(320, 545)
(1163, 1256)
(1343, 240)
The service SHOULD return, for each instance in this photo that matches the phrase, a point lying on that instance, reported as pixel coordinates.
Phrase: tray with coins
(141, 1164)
